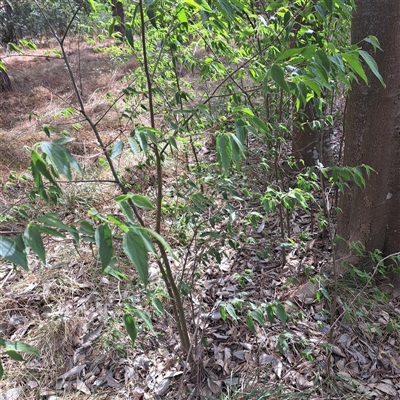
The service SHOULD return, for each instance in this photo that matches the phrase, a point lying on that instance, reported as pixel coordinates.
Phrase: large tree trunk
(372, 136)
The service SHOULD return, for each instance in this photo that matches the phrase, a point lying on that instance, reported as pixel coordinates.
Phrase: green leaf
(14, 47)
(223, 313)
(1, 370)
(129, 36)
(53, 219)
(141, 201)
(9, 250)
(250, 324)
(136, 250)
(199, 5)
(270, 313)
(353, 60)
(152, 16)
(374, 41)
(281, 312)
(39, 163)
(137, 199)
(158, 307)
(50, 231)
(134, 146)
(258, 316)
(15, 356)
(127, 210)
(372, 65)
(278, 75)
(103, 237)
(290, 53)
(130, 327)
(35, 241)
(145, 317)
(117, 149)
(61, 158)
(329, 5)
(162, 241)
(224, 151)
(19, 346)
(231, 311)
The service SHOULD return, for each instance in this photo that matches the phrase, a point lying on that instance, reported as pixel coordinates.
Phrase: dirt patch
(42, 89)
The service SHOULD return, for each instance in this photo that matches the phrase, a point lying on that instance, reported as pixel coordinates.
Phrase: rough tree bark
(306, 141)
(118, 11)
(372, 137)
(5, 83)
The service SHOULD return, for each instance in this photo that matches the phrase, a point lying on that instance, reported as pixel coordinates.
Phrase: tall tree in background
(372, 137)
(118, 11)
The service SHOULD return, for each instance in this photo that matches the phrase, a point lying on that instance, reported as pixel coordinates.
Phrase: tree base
(5, 83)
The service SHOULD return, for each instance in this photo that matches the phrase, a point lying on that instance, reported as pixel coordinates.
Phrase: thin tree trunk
(118, 11)
(5, 83)
(372, 136)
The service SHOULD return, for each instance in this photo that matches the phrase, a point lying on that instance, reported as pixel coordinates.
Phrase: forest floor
(72, 312)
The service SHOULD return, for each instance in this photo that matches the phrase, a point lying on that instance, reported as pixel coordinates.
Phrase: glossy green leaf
(104, 242)
(130, 327)
(35, 242)
(135, 249)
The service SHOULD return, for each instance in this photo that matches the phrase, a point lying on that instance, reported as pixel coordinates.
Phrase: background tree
(372, 136)
(118, 13)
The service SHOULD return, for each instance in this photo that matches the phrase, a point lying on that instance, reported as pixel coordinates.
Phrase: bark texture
(118, 11)
(5, 83)
(306, 141)
(372, 135)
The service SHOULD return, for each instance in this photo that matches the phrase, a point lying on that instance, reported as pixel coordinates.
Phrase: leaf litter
(72, 314)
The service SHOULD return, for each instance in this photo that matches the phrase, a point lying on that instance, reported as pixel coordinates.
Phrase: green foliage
(13, 350)
(260, 67)
(22, 19)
